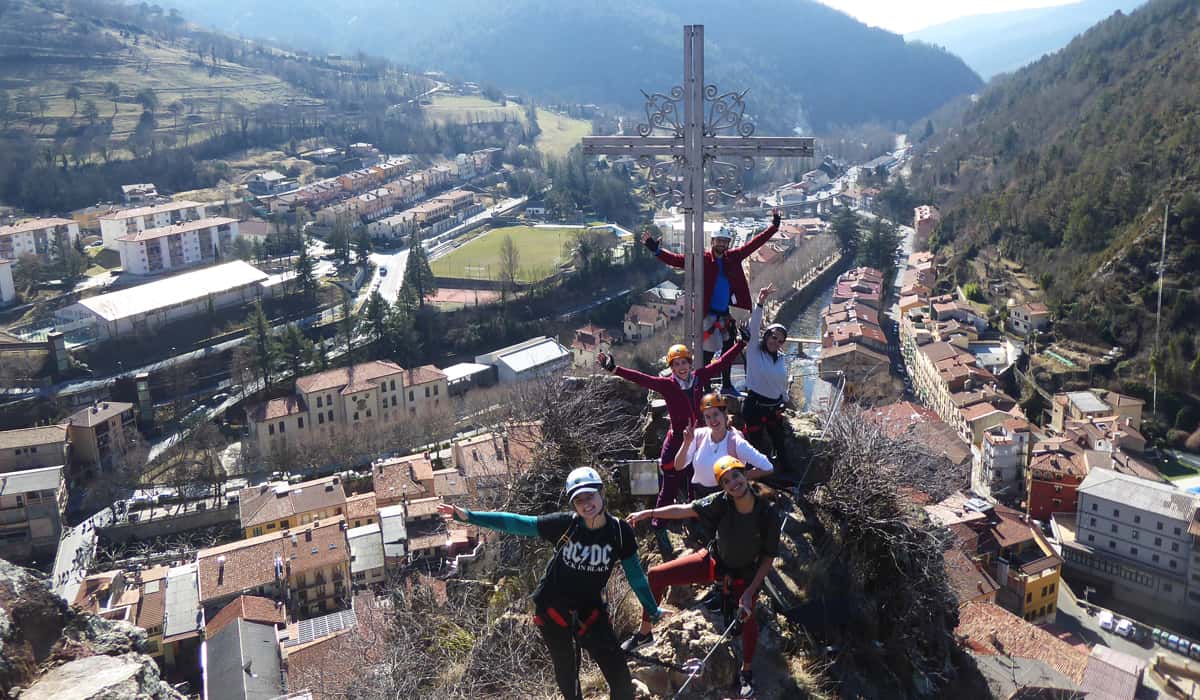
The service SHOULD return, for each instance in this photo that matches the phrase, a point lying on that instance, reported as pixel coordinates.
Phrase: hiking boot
(745, 683)
(637, 641)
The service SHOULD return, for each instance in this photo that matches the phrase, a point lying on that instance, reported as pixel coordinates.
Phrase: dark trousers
(764, 426)
(726, 343)
(671, 482)
(600, 642)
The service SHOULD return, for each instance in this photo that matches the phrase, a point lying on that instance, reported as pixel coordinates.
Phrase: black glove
(651, 243)
(744, 333)
(610, 365)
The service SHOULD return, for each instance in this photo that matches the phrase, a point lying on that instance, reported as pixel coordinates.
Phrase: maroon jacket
(682, 404)
(739, 288)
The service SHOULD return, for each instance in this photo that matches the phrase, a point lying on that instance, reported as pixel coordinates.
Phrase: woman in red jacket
(682, 391)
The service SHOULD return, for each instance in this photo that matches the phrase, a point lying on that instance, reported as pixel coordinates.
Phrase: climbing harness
(698, 666)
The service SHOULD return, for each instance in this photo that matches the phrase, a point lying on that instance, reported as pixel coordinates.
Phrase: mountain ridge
(804, 63)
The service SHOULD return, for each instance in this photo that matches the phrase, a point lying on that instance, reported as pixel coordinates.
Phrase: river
(808, 325)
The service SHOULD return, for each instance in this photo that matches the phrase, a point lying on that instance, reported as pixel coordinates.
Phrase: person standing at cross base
(747, 530)
(681, 391)
(704, 446)
(767, 390)
(725, 286)
(570, 610)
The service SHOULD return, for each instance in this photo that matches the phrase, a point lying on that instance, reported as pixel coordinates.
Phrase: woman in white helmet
(767, 384)
(569, 601)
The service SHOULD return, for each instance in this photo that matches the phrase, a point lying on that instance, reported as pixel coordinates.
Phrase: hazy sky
(902, 16)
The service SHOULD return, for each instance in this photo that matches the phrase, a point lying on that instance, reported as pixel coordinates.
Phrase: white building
(1139, 542)
(36, 237)
(998, 469)
(395, 226)
(154, 250)
(8, 289)
(145, 307)
(533, 358)
(366, 555)
(30, 502)
(128, 221)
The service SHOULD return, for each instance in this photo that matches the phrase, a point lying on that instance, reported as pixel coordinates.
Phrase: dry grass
(559, 133)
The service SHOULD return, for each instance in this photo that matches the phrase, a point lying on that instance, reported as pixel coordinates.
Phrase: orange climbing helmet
(712, 401)
(677, 351)
(726, 464)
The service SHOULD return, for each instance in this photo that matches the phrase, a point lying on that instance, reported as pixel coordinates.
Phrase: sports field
(540, 251)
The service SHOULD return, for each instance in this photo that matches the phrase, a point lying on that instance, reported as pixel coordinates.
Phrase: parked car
(1106, 621)
(1173, 641)
(1141, 635)
(1195, 651)
(383, 272)
(1157, 635)
(1124, 628)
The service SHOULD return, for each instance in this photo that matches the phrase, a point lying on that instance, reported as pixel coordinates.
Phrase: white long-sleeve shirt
(765, 375)
(703, 453)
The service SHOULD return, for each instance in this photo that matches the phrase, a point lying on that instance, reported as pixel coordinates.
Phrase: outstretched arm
(757, 241)
(655, 246)
(641, 587)
(510, 523)
(679, 511)
(718, 365)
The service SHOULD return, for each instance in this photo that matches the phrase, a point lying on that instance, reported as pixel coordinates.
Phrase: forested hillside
(94, 93)
(1067, 166)
(803, 62)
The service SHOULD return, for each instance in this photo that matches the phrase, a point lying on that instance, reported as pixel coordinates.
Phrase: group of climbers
(702, 453)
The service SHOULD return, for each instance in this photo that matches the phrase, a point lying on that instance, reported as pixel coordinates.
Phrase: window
(1178, 532)
(257, 531)
(1157, 541)
(1133, 551)
(1058, 488)
(1167, 588)
(1029, 598)
(282, 428)
(1154, 558)
(1112, 545)
(1113, 527)
(356, 415)
(300, 422)
(331, 416)
(1050, 609)
(1044, 590)
(1094, 507)
(411, 396)
(1093, 522)
(270, 429)
(270, 526)
(328, 399)
(1174, 546)
(393, 401)
(1052, 590)
(318, 402)
(1091, 538)
(393, 384)
(1116, 512)
(1135, 533)
(1137, 518)
(368, 413)
(320, 419)
(1159, 524)
(426, 392)
(435, 390)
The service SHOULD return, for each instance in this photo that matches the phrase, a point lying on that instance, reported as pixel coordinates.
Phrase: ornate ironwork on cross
(689, 162)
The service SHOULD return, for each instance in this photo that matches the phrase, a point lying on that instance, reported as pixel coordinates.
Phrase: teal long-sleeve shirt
(527, 526)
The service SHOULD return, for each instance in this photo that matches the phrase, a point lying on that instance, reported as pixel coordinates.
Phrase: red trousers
(699, 567)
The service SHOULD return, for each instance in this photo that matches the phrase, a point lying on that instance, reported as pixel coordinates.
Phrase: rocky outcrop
(48, 650)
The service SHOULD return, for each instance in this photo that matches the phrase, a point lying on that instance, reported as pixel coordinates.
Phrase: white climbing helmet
(583, 480)
(723, 232)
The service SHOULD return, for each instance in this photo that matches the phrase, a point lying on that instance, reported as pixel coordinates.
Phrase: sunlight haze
(911, 15)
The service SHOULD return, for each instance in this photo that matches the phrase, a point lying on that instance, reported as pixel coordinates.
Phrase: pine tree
(346, 329)
(297, 349)
(418, 275)
(340, 238)
(362, 247)
(845, 228)
(306, 271)
(377, 314)
(263, 343)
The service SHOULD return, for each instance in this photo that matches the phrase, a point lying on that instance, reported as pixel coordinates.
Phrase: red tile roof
(346, 376)
(423, 375)
(251, 563)
(361, 506)
(250, 608)
(276, 408)
(642, 315)
(967, 580)
(270, 502)
(396, 479)
(988, 629)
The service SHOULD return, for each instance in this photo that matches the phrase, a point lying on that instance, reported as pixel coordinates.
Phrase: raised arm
(756, 317)
(655, 246)
(659, 384)
(718, 365)
(759, 239)
(510, 523)
(687, 451)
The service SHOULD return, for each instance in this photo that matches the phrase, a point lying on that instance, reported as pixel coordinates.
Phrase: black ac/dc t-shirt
(743, 539)
(581, 567)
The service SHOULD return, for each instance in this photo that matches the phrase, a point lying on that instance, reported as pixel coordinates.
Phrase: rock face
(688, 634)
(51, 651)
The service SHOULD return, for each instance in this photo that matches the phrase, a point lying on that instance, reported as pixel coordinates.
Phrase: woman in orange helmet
(681, 391)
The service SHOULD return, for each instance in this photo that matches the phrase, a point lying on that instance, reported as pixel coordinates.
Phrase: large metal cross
(681, 154)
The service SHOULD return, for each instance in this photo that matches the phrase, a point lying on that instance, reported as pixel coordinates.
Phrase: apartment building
(155, 250)
(307, 567)
(36, 238)
(999, 462)
(401, 479)
(279, 506)
(1094, 403)
(367, 396)
(8, 286)
(101, 435)
(131, 221)
(1056, 469)
(30, 448)
(31, 502)
(1137, 541)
